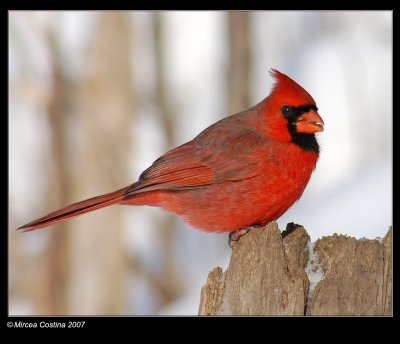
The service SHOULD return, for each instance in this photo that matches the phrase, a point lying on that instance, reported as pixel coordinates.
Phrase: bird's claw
(234, 236)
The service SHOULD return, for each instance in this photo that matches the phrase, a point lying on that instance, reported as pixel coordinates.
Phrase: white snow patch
(313, 270)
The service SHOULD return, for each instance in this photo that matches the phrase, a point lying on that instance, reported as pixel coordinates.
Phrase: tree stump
(274, 273)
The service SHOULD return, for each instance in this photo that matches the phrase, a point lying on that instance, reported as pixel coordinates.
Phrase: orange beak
(309, 123)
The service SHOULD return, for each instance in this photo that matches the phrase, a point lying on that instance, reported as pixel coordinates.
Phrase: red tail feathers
(75, 210)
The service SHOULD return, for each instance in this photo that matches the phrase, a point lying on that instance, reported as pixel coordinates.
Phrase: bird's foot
(234, 236)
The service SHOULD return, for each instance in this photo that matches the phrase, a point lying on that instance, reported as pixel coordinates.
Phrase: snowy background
(344, 59)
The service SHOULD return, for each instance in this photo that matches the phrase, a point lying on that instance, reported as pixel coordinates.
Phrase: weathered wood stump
(274, 273)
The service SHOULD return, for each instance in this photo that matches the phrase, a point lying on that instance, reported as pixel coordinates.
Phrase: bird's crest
(289, 91)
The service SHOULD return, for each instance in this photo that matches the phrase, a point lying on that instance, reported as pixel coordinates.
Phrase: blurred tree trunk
(239, 61)
(50, 287)
(104, 103)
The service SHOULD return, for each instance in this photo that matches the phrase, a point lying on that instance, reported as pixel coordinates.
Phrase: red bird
(245, 170)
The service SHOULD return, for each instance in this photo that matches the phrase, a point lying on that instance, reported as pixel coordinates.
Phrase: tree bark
(275, 274)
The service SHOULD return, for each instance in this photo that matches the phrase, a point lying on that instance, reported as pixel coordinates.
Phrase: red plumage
(246, 169)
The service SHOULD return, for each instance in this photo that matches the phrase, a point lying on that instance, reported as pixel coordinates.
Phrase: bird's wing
(218, 154)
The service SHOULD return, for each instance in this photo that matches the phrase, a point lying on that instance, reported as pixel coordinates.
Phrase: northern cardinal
(245, 170)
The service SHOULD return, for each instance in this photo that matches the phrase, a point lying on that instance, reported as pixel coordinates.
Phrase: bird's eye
(286, 111)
